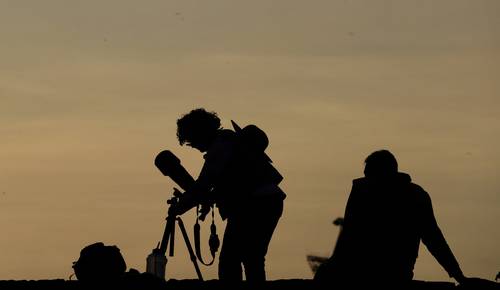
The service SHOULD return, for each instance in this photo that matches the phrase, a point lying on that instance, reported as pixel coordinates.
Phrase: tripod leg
(172, 236)
(167, 233)
(190, 249)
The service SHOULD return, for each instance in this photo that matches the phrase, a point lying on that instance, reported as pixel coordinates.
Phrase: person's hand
(204, 210)
(184, 204)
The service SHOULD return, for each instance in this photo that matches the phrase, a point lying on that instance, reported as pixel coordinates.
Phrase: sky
(90, 92)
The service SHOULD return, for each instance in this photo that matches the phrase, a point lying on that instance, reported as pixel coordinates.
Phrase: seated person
(386, 217)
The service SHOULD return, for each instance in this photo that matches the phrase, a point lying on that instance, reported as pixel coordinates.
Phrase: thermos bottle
(155, 263)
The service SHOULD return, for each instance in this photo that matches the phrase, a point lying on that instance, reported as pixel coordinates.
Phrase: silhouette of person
(385, 219)
(244, 185)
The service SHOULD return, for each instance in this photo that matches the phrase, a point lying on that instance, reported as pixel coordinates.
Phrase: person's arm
(345, 235)
(433, 239)
(216, 160)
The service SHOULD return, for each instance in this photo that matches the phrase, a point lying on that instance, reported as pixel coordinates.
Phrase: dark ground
(214, 284)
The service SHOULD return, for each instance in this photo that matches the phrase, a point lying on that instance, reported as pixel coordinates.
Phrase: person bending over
(240, 178)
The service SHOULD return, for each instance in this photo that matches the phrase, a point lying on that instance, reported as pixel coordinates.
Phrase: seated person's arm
(435, 242)
(349, 222)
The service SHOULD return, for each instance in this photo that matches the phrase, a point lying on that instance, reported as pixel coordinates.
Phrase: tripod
(171, 166)
(158, 255)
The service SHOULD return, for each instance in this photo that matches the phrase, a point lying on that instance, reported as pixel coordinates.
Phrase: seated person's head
(198, 128)
(381, 164)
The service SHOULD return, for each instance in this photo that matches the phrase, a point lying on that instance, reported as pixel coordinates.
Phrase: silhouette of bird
(179, 15)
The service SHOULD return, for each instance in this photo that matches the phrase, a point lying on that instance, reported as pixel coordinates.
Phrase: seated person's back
(386, 217)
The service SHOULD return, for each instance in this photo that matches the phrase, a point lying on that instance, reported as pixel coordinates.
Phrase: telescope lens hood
(166, 161)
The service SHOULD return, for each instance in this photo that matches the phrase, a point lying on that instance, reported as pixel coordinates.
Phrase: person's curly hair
(196, 125)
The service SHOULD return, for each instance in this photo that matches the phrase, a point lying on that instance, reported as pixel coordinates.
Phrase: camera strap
(213, 241)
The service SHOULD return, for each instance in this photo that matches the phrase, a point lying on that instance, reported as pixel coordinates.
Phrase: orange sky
(90, 92)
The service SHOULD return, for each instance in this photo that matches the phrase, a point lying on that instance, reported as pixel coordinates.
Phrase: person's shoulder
(225, 133)
(360, 180)
(417, 187)
(224, 141)
(419, 191)
(225, 136)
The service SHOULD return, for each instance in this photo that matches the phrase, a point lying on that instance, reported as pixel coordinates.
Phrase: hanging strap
(213, 241)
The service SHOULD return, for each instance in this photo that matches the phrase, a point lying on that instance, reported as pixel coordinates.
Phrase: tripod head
(173, 203)
(174, 200)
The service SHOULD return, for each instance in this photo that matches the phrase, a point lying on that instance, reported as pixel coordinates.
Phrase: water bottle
(155, 263)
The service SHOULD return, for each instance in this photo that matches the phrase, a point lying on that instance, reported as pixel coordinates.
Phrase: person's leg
(230, 258)
(260, 228)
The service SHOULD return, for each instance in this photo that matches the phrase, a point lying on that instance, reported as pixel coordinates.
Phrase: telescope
(169, 165)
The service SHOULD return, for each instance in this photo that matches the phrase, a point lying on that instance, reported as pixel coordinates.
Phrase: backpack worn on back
(98, 262)
(252, 143)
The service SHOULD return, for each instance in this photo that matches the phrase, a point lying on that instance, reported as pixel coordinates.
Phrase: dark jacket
(385, 220)
(237, 175)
